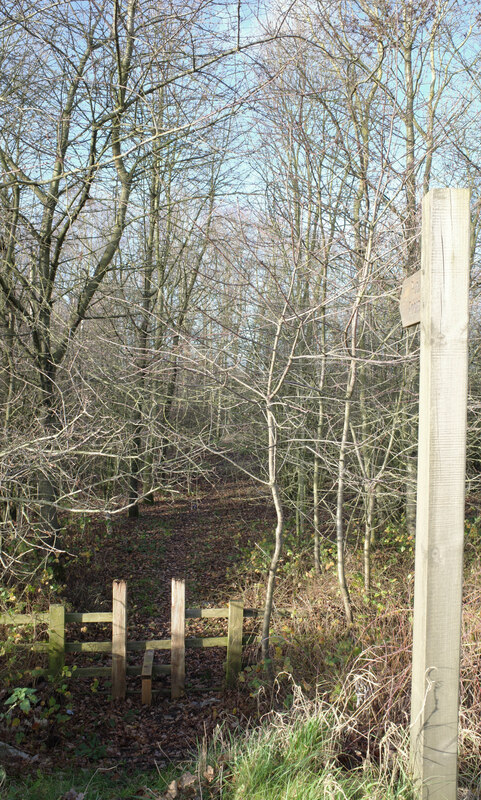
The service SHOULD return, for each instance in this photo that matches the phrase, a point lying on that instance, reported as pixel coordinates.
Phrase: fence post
(234, 642)
(119, 639)
(177, 658)
(147, 667)
(56, 639)
(440, 499)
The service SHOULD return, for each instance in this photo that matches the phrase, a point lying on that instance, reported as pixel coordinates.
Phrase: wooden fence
(57, 646)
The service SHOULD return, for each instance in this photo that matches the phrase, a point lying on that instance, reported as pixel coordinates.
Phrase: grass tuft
(298, 755)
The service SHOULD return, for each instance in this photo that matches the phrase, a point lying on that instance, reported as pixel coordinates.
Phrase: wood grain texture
(119, 645)
(177, 659)
(206, 613)
(56, 639)
(119, 639)
(24, 619)
(440, 492)
(88, 616)
(410, 301)
(147, 666)
(234, 642)
(88, 647)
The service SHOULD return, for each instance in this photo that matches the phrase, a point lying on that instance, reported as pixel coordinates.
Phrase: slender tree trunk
(320, 423)
(317, 475)
(369, 536)
(276, 497)
(341, 564)
(412, 253)
(47, 484)
(134, 476)
(316, 520)
(301, 498)
(139, 443)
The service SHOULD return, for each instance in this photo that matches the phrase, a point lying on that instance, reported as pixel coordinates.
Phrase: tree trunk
(47, 485)
(341, 566)
(369, 536)
(278, 541)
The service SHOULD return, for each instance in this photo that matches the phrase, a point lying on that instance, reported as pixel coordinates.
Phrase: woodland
(207, 210)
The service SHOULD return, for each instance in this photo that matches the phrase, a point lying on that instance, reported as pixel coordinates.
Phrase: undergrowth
(365, 669)
(84, 785)
(292, 755)
(298, 754)
(342, 696)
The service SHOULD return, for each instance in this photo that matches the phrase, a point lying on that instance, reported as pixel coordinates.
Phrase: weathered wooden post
(177, 633)
(234, 642)
(147, 668)
(440, 492)
(119, 639)
(56, 639)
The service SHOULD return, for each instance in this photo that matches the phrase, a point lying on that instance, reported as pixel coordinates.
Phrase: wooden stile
(119, 646)
(177, 658)
(119, 639)
(234, 642)
(56, 639)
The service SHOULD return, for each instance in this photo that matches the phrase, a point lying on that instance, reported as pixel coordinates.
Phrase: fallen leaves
(172, 792)
(182, 788)
(185, 784)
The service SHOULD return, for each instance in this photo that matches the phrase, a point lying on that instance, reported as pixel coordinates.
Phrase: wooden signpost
(443, 314)
(410, 302)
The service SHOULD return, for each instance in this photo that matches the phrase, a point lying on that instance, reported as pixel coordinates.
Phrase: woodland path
(202, 540)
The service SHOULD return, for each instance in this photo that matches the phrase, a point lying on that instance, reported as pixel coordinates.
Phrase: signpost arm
(440, 498)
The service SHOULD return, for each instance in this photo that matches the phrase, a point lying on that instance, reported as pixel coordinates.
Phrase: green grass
(292, 756)
(96, 785)
(295, 756)
(300, 768)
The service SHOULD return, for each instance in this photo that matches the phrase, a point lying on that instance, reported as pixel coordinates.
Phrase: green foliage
(252, 675)
(472, 531)
(327, 554)
(20, 703)
(293, 558)
(52, 581)
(342, 652)
(57, 704)
(396, 537)
(18, 661)
(51, 708)
(92, 748)
(8, 597)
(23, 698)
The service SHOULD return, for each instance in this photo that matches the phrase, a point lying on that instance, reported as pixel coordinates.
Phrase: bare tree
(82, 109)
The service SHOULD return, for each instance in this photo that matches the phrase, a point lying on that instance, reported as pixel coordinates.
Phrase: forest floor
(218, 540)
(206, 541)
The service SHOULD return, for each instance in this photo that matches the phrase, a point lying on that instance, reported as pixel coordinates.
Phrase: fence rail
(118, 646)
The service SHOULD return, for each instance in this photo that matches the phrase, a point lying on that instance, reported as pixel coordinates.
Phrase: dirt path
(199, 540)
